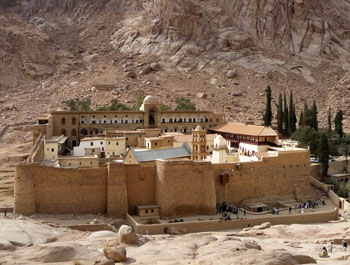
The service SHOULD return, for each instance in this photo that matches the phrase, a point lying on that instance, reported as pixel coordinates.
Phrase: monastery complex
(156, 163)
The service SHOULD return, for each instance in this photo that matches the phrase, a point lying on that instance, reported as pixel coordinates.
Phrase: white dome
(149, 100)
(219, 141)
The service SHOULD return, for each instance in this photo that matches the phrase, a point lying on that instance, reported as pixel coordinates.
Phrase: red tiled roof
(244, 129)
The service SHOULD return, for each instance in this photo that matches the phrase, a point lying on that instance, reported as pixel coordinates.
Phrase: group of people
(325, 252)
(223, 208)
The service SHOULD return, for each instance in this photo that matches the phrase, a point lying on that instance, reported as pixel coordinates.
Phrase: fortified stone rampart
(185, 188)
(179, 187)
(273, 176)
(43, 189)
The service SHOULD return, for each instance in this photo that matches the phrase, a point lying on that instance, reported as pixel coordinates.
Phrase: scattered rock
(130, 74)
(145, 70)
(104, 262)
(127, 235)
(202, 95)
(231, 73)
(237, 94)
(117, 253)
(155, 66)
(93, 89)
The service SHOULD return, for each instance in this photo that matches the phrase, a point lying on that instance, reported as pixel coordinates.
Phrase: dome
(198, 128)
(219, 140)
(149, 100)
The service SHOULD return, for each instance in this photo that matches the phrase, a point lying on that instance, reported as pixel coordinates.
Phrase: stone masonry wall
(273, 176)
(185, 188)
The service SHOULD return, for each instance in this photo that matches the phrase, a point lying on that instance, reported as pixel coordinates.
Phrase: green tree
(301, 119)
(268, 109)
(307, 119)
(344, 148)
(292, 119)
(114, 105)
(338, 122)
(307, 136)
(164, 107)
(79, 105)
(323, 153)
(184, 104)
(314, 121)
(329, 121)
(285, 116)
(280, 114)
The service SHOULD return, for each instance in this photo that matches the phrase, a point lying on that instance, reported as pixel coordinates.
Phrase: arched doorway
(152, 118)
(83, 132)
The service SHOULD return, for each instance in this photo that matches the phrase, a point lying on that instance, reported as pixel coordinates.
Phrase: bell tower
(199, 144)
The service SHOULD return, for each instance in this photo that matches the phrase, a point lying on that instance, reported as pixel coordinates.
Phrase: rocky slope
(25, 241)
(55, 50)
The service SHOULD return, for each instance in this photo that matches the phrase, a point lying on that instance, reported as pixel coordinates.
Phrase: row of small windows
(190, 120)
(171, 120)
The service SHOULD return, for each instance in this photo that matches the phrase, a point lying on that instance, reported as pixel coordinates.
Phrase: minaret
(199, 144)
(219, 151)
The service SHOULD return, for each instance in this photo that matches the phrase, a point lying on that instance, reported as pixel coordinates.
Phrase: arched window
(63, 132)
(74, 132)
(63, 121)
(74, 120)
(83, 132)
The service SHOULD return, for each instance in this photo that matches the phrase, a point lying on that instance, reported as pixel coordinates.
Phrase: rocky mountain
(227, 49)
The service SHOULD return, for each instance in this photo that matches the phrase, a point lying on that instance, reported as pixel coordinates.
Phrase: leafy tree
(164, 107)
(338, 122)
(329, 121)
(184, 104)
(280, 114)
(314, 121)
(323, 153)
(114, 105)
(333, 182)
(307, 136)
(79, 105)
(268, 109)
(344, 148)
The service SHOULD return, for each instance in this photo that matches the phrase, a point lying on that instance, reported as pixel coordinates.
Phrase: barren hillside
(54, 50)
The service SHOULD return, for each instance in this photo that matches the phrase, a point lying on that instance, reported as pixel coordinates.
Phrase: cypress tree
(280, 114)
(314, 121)
(323, 154)
(292, 119)
(307, 116)
(338, 122)
(268, 110)
(285, 117)
(329, 121)
(301, 119)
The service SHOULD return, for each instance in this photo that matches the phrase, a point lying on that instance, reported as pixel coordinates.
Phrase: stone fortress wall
(179, 187)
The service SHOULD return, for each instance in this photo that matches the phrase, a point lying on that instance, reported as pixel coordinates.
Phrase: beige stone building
(79, 124)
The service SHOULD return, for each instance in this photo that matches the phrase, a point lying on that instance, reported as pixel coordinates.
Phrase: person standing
(345, 245)
(330, 247)
(5, 213)
(290, 209)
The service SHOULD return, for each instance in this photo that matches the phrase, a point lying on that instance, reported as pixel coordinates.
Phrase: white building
(219, 151)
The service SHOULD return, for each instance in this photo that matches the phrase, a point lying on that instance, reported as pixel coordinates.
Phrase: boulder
(127, 235)
(130, 74)
(231, 73)
(145, 70)
(93, 89)
(202, 95)
(155, 66)
(237, 94)
(117, 253)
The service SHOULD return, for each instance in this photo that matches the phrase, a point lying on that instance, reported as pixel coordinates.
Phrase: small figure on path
(290, 209)
(5, 213)
(330, 247)
(324, 253)
(345, 245)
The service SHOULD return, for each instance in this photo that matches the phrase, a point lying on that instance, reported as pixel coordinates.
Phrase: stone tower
(199, 144)
(219, 151)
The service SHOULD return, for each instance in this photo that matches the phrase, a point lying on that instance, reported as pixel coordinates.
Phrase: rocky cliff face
(296, 45)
